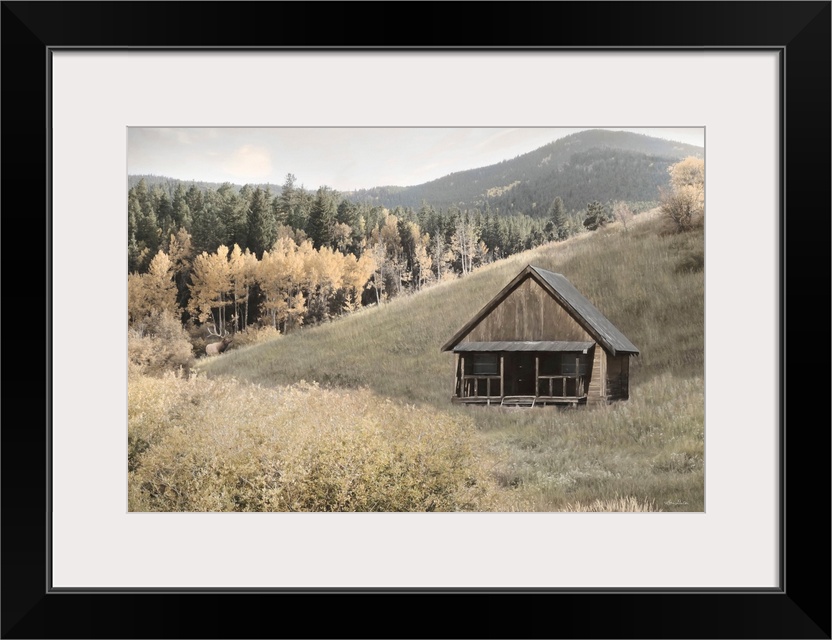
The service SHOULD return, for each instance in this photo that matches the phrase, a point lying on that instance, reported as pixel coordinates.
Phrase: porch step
(518, 401)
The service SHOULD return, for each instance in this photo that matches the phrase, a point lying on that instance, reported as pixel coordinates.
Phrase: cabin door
(520, 374)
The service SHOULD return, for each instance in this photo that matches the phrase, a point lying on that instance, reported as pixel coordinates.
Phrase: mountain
(589, 165)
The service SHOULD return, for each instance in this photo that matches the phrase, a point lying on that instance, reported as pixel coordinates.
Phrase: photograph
(416, 319)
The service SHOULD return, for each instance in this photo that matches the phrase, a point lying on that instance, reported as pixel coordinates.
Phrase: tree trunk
(245, 317)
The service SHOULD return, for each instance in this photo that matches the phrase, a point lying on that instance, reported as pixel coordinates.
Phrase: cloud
(183, 136)
(249, 162)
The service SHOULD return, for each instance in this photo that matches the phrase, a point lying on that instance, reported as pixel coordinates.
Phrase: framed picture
(755, 75)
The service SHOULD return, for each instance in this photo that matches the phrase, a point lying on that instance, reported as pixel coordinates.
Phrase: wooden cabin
(540, 342)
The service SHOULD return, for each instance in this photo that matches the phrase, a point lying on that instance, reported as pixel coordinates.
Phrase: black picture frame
(799, 608)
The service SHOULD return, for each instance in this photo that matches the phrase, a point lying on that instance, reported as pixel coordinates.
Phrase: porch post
(536, 375)
(502, 377)
(455, 394)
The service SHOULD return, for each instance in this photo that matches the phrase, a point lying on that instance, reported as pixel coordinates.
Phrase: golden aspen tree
(355, 276)
(422, 261)
(390, 238)
(160, 288)
(442, 256)
(278, 274)
(378, 254)
(689, 172)
(342, 236)
(269, 278)
(464, 242)
(684, 206)
(327, 268)
(241, 273)
(250, 263)
(210, 287)
(136, 298)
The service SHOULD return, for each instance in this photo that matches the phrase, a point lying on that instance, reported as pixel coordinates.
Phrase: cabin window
(485, 364)
(564, 364)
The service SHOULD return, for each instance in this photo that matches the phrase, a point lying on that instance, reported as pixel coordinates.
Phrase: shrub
(692, 262)
(158, 344)
(255, 335)
(204, 445)
(682, 208)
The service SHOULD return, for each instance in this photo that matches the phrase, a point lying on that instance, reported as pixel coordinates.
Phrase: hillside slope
(648, 285)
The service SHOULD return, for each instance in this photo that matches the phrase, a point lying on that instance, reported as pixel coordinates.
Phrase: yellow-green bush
(158, 344)
(218, 445)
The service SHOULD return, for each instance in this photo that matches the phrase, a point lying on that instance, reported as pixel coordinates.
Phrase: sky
(344, 159)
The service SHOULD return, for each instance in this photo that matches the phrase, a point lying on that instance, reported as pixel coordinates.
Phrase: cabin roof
(582, 310)
(524, 345)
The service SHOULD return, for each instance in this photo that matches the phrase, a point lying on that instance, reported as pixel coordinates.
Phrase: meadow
(357, 412)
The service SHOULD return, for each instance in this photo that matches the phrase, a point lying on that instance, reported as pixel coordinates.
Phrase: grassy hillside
(650, 448)
(639, 279)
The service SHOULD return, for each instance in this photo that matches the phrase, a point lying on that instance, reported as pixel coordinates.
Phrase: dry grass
(651, 447)
(218, 445)
(627, 504)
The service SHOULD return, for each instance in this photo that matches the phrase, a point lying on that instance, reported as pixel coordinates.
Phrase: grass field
(643, 454)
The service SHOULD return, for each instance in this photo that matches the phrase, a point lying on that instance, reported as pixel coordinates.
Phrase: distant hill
(589, 165)
(169, 184)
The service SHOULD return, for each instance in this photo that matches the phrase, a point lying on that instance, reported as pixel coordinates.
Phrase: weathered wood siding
(528, 313)
(597, 390)
(618, 377)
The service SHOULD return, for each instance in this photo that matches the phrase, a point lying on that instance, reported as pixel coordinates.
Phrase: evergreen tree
(194, 199)
(322, 218)
(208, 230)
(262, 227)
(143, 195)
(347, 213)
(164, 212)
(147, 234)
(181, 210)
(180, 250)
(557, 216)
(596, 216)
(233, 211)
(286, 202)
(134, 212)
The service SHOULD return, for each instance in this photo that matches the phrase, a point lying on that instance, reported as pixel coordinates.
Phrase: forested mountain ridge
(585, 166)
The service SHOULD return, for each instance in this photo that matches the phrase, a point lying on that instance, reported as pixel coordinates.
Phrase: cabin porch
(522, 373)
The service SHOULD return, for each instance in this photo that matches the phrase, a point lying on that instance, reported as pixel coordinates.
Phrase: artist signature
(675, 503)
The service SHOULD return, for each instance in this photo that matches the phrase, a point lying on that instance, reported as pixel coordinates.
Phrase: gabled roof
(582, 310)
(524, 345)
